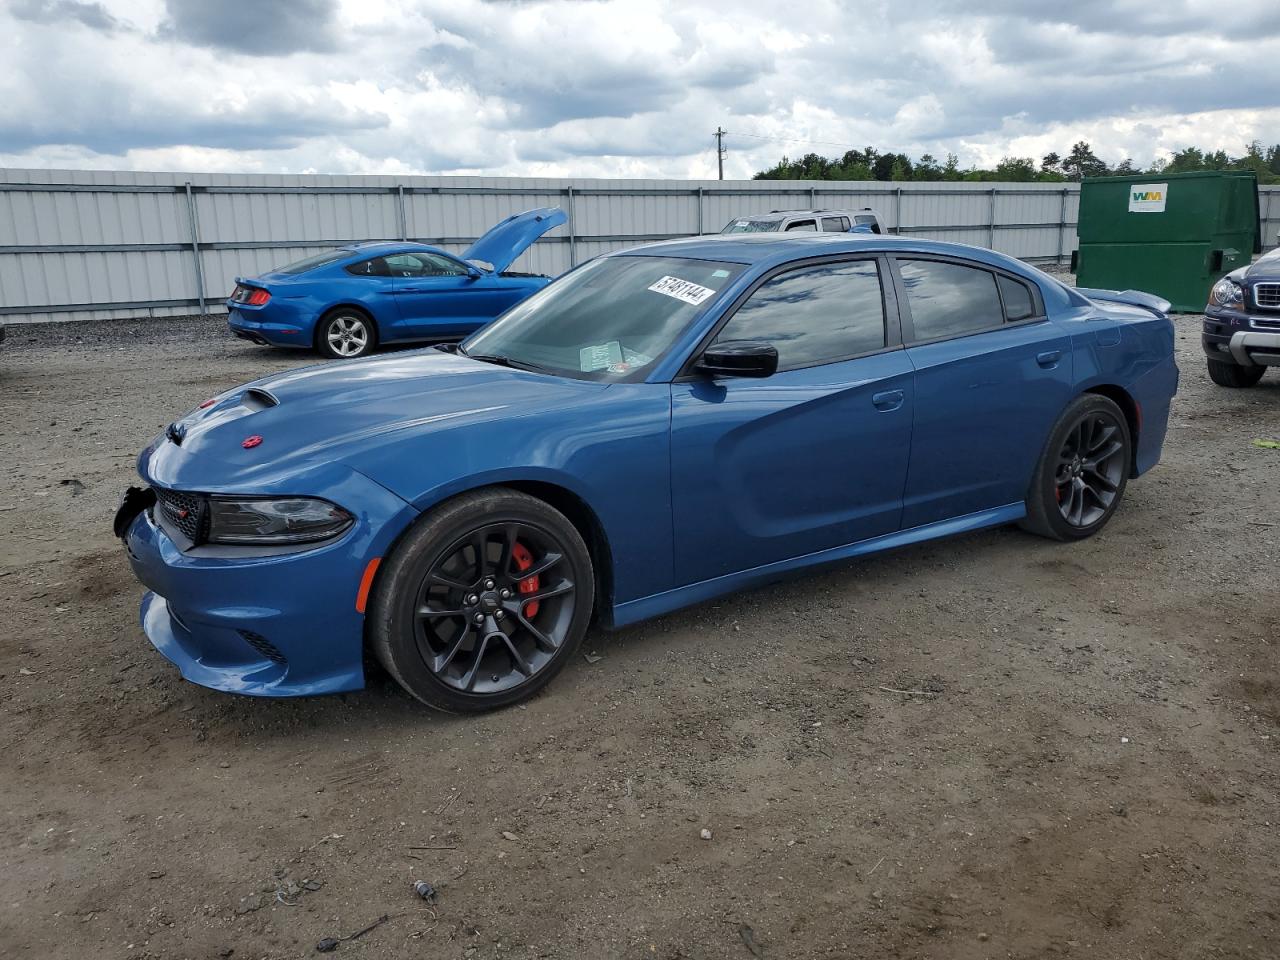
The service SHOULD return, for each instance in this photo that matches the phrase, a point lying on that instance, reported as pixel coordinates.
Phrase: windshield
(747, 225)
(608, 320)
(319, 260)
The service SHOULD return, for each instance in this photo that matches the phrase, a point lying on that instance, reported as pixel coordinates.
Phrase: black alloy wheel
(483, 602)
(1083, 470)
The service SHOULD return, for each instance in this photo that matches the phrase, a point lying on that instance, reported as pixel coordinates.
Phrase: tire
(1083, 471)
(534, 598)
(1234, 374)
(345, 333)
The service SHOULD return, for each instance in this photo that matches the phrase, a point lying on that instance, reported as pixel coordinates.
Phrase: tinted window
(835, 224)
(814, 315)
(377, 267)
(949, 300)
(866, 221)
(319, 260)
(422, 265)
(1018, 302)
(802, 225)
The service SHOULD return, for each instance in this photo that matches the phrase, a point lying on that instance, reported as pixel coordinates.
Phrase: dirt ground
(993, 746)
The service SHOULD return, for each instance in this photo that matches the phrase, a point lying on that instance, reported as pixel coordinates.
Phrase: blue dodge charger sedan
(344, 302)
(658, 427)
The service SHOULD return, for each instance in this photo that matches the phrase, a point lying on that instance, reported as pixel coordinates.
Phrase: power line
(824, 143)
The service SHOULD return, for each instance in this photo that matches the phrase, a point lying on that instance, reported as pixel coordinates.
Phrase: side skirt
(657, 604)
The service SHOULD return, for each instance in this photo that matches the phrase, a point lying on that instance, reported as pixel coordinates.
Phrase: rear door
(812, 457)
(992, 375)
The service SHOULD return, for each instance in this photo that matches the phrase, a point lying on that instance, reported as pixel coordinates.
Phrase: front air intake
(264, 646)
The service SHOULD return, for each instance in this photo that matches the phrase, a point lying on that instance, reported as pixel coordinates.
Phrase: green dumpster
(1172, 234)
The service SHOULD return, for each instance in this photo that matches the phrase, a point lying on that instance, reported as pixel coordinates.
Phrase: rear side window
(948, 299)
(814, 315)
(377, 267)
(319, 260)
(1019, 304)
(802, 225)
(835, 224)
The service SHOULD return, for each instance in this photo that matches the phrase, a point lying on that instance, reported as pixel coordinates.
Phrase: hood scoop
(255, 399)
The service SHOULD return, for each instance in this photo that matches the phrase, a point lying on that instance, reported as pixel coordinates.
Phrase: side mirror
(739, 358)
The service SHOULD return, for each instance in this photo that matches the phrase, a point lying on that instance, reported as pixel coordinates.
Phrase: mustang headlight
(1227, 293)
(274, 521)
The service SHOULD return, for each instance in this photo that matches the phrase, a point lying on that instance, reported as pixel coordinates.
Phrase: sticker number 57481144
(682, 290)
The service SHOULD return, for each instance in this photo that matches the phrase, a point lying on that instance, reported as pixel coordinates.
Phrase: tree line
(1079, 162)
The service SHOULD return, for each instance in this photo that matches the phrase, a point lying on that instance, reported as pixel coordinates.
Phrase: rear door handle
(1049, 359)
(888, 400)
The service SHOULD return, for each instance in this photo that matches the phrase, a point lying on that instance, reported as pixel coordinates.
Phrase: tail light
(251, 296)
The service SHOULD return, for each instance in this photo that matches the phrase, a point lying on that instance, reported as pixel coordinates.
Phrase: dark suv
(1242, 323)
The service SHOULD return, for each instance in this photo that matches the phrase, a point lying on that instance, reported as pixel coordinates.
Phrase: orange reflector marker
(366, 582)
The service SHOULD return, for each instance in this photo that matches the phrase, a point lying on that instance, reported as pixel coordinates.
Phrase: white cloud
(621, 87)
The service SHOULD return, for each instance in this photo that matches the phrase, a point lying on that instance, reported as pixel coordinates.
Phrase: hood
(1266, 267)
(333, 413)
(513, 236)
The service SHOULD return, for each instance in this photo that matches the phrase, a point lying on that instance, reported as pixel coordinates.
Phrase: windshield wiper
(501, 361)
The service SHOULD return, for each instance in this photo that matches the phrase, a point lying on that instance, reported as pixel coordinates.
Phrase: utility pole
(719, 135)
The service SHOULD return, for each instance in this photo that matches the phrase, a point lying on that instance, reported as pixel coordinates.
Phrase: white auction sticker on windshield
(684, 290)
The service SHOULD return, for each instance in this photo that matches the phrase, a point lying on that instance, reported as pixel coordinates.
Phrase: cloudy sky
(628, 88)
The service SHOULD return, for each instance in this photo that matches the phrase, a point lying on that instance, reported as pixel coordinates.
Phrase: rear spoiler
(1134, 298)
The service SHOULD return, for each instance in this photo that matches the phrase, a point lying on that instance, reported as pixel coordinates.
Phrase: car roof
(772, 249)
(784, 214)
(387, 246)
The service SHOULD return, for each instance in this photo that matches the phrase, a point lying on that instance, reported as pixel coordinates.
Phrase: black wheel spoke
(469, 680)
(517, 660)
(444, 661)
(448, 581)
(542, 640)
(564, 586)
(1105, 454)
(430, 613)
(480, 544)
(540, 567)
(1100, 479)
(509, 535)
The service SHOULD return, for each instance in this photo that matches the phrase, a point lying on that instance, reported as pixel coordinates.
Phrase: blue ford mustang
(345, 302)
(655, 428)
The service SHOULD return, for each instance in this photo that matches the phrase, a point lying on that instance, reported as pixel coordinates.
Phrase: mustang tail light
(251, 296)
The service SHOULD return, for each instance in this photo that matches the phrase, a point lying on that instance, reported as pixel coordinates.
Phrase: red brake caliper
(524, 560)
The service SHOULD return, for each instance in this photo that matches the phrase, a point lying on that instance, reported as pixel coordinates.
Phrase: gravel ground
(993, 746)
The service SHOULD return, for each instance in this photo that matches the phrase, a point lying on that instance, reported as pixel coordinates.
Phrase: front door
(810, 458)
(438, 296)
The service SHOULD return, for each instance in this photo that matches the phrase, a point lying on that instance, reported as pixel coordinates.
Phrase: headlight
(274, 521)
(1227, 293)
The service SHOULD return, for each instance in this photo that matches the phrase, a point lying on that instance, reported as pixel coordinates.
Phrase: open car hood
(513, 236)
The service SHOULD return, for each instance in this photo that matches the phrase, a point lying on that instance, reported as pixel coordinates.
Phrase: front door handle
(888, 400)
(1049, 359)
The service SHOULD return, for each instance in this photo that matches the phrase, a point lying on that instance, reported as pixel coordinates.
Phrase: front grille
(263, 646)
(1267, 295)
(186, 511)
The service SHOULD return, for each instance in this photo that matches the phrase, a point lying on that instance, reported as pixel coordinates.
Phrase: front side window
(802, 225)
(949, 299)
(608, 320)
(815, 314)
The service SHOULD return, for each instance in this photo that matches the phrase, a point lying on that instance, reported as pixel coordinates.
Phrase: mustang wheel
(483, 602)
(345, 335)
(1233, 374)
(1082, 472)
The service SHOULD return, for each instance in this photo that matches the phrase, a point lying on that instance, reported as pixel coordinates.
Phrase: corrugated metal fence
(87, 244)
